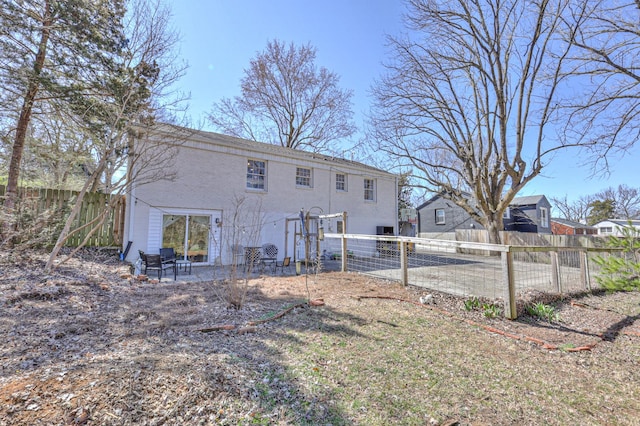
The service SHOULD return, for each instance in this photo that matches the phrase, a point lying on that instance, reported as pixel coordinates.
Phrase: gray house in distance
(525, 214)
(440, 215)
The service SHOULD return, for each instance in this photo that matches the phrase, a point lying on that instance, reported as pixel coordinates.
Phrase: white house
(614, 226)
(229, 192)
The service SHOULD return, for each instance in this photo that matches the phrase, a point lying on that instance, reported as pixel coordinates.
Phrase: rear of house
(228, 193)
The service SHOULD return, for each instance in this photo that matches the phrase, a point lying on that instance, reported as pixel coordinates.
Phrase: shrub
(621, 272)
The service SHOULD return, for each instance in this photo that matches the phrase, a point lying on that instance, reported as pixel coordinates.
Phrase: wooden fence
(60, 202)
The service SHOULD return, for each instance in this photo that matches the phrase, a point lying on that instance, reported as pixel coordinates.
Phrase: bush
(621, 272)
(27, 228)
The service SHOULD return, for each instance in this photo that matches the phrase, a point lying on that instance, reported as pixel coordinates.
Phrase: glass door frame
(211, 241)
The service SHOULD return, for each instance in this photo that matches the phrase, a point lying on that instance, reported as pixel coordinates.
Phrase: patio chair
(238, 254)
(154, 262)
(269, 256)
(284, 263)
(168, 255)
(252, 257)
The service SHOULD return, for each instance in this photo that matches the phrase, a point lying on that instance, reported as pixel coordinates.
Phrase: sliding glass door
(188, 235)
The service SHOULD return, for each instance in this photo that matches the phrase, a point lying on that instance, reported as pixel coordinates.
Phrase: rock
(427, 300)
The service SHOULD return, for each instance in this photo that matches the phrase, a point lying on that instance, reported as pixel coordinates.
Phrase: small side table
(182, 264)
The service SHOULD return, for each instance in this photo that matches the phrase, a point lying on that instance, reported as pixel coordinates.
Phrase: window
(256, 174)
(339, 227)
(440, 217)
(341, 182)
(507, 213)
(544, 218)
(369, 190)
(303, 177)
(606, 230)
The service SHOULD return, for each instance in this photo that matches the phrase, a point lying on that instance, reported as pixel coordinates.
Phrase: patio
(209, 272)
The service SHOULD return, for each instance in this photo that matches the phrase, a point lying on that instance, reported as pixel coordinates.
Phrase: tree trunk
(25, 113)
(494, 226)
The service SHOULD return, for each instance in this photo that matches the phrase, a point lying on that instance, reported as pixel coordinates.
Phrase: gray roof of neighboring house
(517, 201)
(528, 200)
(571, 223)
(232, 141)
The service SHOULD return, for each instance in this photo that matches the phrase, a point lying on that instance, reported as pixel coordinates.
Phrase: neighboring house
(570, 227)
(614, 226)
(440, 215)
(197, 212)
(528, 214)
(525, 214)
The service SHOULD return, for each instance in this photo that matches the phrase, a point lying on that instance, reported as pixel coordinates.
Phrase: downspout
(131, 198)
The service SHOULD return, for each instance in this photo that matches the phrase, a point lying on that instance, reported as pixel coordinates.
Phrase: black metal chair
(154, 262)
(168, 254)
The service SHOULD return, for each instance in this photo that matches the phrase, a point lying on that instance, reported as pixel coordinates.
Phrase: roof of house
(621, 222)
(571, 223)
(248, 145)
(528, 200)
(517, 201)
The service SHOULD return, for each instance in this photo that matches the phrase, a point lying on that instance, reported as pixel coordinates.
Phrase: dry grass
(85, 346)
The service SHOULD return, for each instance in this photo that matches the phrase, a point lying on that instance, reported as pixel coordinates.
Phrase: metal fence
(469, 269)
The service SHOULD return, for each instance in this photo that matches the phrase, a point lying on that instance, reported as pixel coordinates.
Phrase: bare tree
(605, 110)
(625, 199)
(127, 143)
(287, 100)
(242, 226)
(577, 210)
(470, 99)
(622, 202)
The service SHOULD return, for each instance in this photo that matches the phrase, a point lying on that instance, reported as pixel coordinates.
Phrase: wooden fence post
(510, 311)
(555, 271)
(344, 253)
(584, 269)
(404, 265)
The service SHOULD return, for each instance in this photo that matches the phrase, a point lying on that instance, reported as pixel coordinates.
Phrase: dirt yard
(89, 344)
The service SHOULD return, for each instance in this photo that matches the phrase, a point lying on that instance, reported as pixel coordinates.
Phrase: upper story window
(507, 213)
(303, 177)
(369, 190)
(544, 217)
(606, 230)
(341, 182)
(440, 217)
(256, 174)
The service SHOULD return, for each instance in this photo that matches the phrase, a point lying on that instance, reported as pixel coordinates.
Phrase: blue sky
(220, 37)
